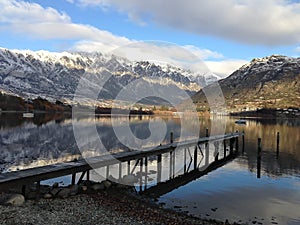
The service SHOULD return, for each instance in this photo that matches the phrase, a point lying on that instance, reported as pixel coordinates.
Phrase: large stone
(47, 196)
(55, 191)
(64, 193)
(16, 200)
(106, 183)
(98, 187)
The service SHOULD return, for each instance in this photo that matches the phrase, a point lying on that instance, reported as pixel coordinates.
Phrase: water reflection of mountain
(29, 145)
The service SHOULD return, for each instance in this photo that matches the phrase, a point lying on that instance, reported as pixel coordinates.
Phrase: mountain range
(55, 76)
(271, 82)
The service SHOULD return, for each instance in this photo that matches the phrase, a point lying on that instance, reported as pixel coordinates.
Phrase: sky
(224, 34)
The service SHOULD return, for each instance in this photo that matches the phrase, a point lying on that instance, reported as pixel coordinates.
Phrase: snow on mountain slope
(56, 75)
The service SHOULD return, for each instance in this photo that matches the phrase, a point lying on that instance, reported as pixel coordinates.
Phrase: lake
(232, 192)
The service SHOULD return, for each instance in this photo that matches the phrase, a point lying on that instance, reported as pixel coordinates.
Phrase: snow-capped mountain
(55, 76)
(269, 82)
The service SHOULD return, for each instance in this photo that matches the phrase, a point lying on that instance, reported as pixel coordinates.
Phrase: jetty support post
(243, 142)
(73, 178)
(206, 132)
(195, 157)
(184, 159)
(277, 145)
(259, 158)
(159, 166)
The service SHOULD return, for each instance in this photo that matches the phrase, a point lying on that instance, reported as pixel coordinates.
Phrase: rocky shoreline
(94, 203)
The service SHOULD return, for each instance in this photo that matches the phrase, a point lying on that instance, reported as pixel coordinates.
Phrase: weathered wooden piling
(206, 132)
(159, 167)
(259, 158)
(277, 145)
(243, 142)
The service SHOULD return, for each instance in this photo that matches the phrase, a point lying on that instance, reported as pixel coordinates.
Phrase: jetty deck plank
(28, 176)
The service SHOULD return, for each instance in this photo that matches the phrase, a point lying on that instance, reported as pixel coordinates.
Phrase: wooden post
(277, 145)
(171, 137)
(88, 175)
(38, 190)
(159, 168)
(173, 167)
(259, 158)
(195, 158)
(206, 132)
(73, 178)
(171, 164)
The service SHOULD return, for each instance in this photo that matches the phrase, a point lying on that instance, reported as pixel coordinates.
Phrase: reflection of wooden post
(277, 145)
(258, 157)
(128, 167)
(146, 172)
(159, 168)
(171, 137)
(243, 138)
(216, 150)
(237, 143)
(206, 132)
(141, 174)
(120, 171)
(173, 164)
(231, 141)
(224, 145)
(107, 172)
(184, 158)
(195, 158)
(206, 153)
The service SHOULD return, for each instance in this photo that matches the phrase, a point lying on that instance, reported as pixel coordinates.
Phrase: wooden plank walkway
(29, 176)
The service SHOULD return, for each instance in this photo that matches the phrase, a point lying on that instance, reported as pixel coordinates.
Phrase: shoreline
(113, 206)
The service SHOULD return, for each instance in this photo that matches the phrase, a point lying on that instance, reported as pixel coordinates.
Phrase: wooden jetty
(26, 177)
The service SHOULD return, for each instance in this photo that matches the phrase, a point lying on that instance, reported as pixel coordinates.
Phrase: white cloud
(297, 49)
(226, 67)
(33, 20)
(263, 22)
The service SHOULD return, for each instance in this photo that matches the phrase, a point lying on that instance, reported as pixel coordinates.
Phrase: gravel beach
(112, 207)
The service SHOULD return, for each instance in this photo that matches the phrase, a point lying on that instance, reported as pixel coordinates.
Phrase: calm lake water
(231, 192)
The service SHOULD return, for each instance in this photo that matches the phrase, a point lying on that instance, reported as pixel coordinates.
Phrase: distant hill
(270, 82)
